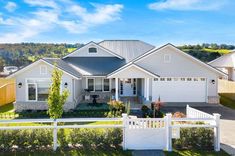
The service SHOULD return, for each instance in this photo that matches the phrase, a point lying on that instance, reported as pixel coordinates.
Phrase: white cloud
(201, 5)
(42, 3)
(49, 14)
(11, 6)
(103, 14)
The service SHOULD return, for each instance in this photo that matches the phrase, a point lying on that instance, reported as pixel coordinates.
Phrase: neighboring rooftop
(227, 60)
(128, 49)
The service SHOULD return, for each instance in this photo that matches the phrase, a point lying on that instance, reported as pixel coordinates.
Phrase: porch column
(146, 89)
(116, 89)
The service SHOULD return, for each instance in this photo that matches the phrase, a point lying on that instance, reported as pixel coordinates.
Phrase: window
(106, 85)
(182, 79)
(32, 92)
(167, 58)
(155, 79)
(195, 79)
(189, 79)
(43, 90)
(98, 84)
(90, 84)
(168, 79)
(43, 69)
(38, 89)
(203, 79)
(162, 79)
(92, 50)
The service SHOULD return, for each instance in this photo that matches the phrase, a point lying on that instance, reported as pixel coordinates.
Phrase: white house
(120, 69)
(226, 63)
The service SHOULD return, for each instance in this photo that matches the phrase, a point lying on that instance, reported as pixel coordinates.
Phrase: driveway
(227, 123)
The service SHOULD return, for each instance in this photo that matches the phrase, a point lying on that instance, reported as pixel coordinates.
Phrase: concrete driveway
(227, 123)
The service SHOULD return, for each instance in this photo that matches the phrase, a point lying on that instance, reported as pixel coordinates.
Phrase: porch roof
(132, 70)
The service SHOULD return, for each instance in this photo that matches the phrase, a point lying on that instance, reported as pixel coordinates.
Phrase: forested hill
(24, 53)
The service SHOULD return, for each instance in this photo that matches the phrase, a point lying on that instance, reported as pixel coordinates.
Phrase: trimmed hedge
(29, 140)
(195, 138)
(43, 114)
(25, 139)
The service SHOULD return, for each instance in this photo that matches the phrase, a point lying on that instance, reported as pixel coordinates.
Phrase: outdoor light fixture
(213, 81)
(65, 85)
(20, 85)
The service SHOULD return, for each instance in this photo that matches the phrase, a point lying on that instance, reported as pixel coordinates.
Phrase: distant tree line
(213, 46)
(21, 54)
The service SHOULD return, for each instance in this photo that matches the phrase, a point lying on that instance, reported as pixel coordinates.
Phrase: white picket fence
(138, 133)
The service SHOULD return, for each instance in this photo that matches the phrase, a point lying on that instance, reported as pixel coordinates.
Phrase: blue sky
(154, 21)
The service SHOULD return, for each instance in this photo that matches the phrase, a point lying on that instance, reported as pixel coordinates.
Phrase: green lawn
(195, 153)
(7, 108)
(221, 51)
(228, 100)
(79, 152)
(71, 49)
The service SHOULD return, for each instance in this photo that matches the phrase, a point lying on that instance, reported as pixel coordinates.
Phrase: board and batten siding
(178, 66)
(34, 73)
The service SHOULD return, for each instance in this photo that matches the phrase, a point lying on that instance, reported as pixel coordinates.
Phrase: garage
(170, 89)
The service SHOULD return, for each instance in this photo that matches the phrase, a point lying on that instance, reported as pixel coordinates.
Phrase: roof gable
(60, 65)
(193, 59)
(132, 71)
(84, 51)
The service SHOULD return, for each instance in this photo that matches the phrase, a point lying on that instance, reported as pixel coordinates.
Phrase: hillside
(24, 53)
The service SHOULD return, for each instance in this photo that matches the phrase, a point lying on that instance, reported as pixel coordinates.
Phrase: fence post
(55, 135)
(217, 132)
(168, 131)
(124, 121)
(187, 111)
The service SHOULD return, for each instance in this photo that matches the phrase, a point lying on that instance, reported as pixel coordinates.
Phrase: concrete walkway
(148, 153)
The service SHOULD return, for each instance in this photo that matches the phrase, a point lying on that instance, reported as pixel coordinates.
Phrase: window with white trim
(92, 50)
(106, 85)
(38, 89)
(91, 84)
(43, 69)
(167, 58)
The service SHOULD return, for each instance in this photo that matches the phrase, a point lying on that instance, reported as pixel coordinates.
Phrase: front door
(128, 87)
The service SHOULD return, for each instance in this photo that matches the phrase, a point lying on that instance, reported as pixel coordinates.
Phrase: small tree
(56, 99)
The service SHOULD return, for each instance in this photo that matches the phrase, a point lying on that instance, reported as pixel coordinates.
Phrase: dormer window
(92, 50)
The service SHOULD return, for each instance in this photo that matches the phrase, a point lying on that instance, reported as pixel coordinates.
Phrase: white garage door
(179, 89)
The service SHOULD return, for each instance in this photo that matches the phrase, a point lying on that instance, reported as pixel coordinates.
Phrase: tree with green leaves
(56, 99)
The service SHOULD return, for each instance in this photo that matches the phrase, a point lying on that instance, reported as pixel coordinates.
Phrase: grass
(195, 153)
(7, 108)
(79, 152)
(228, 100)
(71, 49)
(221, 51)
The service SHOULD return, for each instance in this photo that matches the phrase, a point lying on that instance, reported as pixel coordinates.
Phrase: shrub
(194, 138)
(96, 138)
(25, 139)
(145, 111)
(116, 108)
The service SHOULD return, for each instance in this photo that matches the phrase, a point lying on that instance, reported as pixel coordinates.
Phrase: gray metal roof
(63, 66)
(97, 66)
(128, 49)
